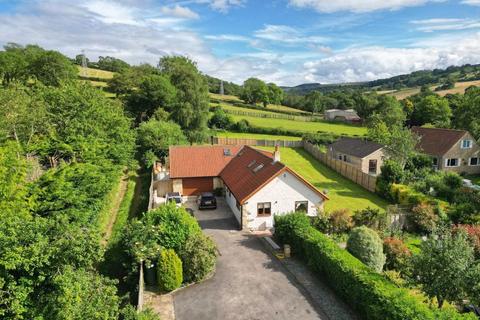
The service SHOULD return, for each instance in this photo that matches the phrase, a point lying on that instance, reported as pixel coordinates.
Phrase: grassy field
(95, 73)
(336, 128)
(342, 192)
(240, 135)
(459, 88)
(271, 107)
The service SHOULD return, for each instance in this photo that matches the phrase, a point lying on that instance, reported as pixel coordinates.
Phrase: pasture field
(317, 126)
(342, 192)
(241, 135)
(270, 107)
(95, 73)
(459, 88)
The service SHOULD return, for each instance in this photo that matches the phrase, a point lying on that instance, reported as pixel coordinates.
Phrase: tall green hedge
(371, 294)
(169, 270)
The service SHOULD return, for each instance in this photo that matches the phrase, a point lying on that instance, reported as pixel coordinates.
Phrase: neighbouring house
(256, 185)
(348, 115)
(368, 156)
(451, 150)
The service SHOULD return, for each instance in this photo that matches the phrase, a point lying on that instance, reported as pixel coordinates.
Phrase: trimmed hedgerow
(371, 294)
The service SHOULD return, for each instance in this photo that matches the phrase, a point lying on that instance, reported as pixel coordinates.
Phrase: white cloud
(228, 37)
(180, 12)
(329, 6)
(370, 63)
(286, 34)
(431, 25)
(222, 5)
(471, 2)
(111, 12)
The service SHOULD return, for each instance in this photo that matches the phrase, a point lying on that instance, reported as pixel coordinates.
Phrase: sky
(288, 42)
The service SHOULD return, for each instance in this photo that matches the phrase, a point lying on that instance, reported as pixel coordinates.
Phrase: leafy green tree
(275, 94)
(128, 80)
(81, 294)
(199, 258)
(154, 91)
(84, 125)
(112, 64)
(366, 245)
(157, 136)
(467, 114)
(220, 119)
(255, 91)
(432, 109)
(442, 265)
(314, 102)
(13, 66)
(190, 109)
(365, 104)
(390, 111)
(52, 68)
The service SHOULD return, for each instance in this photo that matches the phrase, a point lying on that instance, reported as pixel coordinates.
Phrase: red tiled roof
(435, 141)
(199, 161)
(244, 180)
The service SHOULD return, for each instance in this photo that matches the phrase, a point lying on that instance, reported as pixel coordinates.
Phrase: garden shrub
(321, 222)
(370, 217)
(220, 120)
(198, 257)
(424, 218)
(169, 270)
(340, 221)
(396, 253)
(372, 295)
(366, 245)
(473, 232)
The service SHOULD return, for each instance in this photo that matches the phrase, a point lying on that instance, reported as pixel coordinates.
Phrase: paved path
(249, 282)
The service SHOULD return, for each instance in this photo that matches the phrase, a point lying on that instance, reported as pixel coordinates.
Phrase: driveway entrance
(248, 284)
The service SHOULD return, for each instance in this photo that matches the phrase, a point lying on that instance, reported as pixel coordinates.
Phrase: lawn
(240, 135)
(342, 192)
(336, 128)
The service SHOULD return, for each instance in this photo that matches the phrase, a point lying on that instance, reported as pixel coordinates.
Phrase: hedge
(169, 270)
(371, 294)
(405, 195)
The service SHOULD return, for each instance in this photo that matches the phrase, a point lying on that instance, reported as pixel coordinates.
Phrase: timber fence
(272, 115)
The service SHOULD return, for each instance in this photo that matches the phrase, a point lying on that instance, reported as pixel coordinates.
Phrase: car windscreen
(208, 198)
(176, 200)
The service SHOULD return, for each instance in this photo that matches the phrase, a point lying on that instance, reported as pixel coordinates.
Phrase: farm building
(365, 155)
(348, 115)
(256, 185)
(451, 150)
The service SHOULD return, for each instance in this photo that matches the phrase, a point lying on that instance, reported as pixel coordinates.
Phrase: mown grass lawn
(240, 135)
(96, 73)
(336, 128)
(342, 192)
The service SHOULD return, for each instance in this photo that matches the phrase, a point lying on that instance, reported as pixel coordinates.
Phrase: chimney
(276, 155)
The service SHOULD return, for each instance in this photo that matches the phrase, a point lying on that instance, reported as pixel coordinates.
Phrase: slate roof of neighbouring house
(436, 141)
(200, 161)
(359, 148)
(251, 170)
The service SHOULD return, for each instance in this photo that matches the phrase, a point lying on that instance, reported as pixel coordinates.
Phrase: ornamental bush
(341, 221)
(169, 270)
(424, 218)
(372, 295)
(396, 253)
(370, 217)
(366, 245)
(198, 258)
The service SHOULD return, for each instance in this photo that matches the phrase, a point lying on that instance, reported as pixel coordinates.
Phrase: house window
(475, 161)
(466, 144)
(372, 166)
(264, 208)
(452, 162)
(301, 206)
(339, 157)
(345, 158)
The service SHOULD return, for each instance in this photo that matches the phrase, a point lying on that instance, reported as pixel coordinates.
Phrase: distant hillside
(436, 77)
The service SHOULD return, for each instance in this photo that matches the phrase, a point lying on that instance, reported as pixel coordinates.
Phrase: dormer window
(251, 164)
(466, 144)
(260, 166)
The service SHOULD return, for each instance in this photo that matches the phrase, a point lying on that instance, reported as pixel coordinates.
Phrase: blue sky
(284, 41)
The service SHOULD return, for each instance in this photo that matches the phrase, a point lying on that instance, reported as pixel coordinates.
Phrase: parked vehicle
(207, 201)
(174, 197)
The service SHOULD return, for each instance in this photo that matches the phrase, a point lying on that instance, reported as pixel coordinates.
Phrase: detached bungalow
(257, 186)
(451, 150)
(365, 155)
